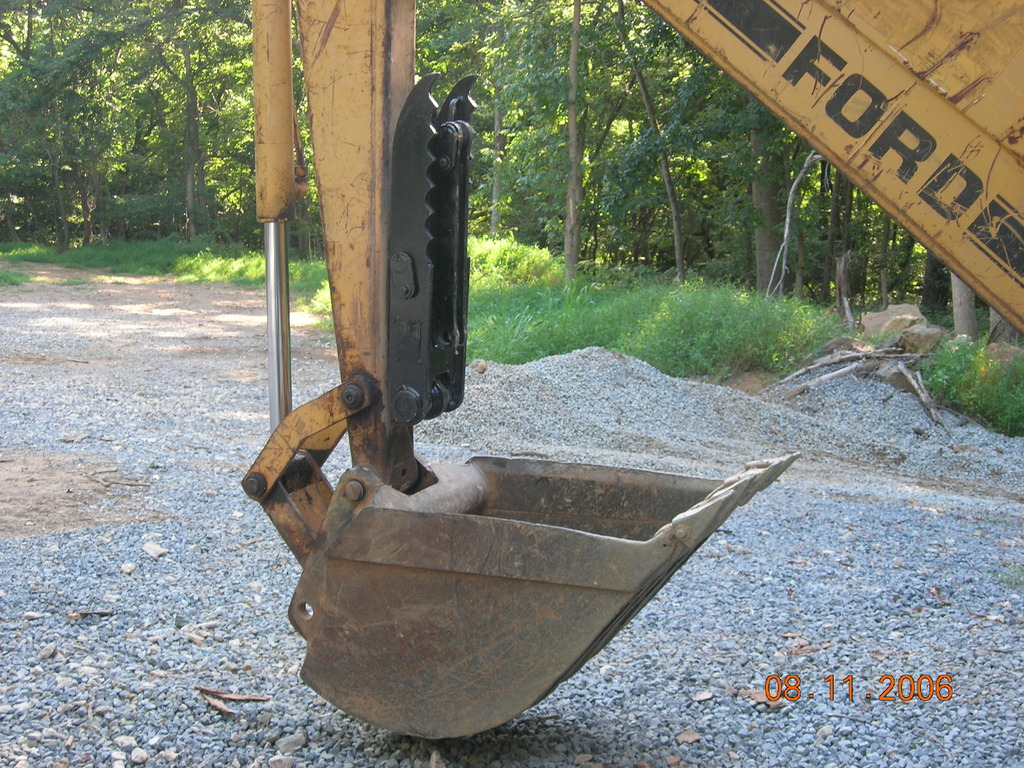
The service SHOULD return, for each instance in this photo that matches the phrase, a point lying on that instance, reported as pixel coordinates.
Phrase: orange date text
(893, 688)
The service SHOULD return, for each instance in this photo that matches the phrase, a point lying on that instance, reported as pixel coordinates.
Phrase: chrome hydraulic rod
(279, 347)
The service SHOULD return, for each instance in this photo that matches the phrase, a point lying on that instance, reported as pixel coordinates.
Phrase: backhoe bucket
(451, 610)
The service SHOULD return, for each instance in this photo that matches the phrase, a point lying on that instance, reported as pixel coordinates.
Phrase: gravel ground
(894, 547)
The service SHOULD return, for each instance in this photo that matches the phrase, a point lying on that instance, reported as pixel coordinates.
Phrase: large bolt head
(353, 396)
(255, 485)
(354, 490)
(408, 405)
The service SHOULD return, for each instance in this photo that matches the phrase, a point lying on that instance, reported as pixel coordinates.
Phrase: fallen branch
(857, 363)
(216, 698)
(864, 366)
(217, 704)
(917, 383)
(78, 615)
(229, 696)
(130, 483)
(837, 358)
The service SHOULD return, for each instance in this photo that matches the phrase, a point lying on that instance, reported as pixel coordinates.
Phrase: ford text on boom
(858, 106)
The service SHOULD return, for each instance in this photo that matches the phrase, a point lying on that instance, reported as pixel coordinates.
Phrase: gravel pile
(894, 547)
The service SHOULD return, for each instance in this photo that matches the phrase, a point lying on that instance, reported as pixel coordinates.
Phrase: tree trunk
(499, 154)
(62, 210)
(965, 319)
(801, 257)
(1000, 330)
(191, 148)
(843, 289)
(883, 270)
(766, 192)
(98, 206)
(663, 164)
(574, 192)
(834, 234)
(11, 229)
(904, 246)
(86, 205)
(935, 288)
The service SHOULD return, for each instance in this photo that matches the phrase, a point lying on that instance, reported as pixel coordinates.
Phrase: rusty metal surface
(552, 493)
(297, 503)
(358, 69)
(286, 479)
(450, 611)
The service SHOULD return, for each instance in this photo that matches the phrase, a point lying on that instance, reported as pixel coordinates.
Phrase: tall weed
(715, 330)
(504, 261)
(692, 330)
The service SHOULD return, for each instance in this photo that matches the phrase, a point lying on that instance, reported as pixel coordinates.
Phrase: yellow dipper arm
(358, 60)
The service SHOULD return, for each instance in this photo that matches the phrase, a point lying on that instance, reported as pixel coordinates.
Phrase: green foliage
(199, 260)
(133, 121)
(149, 257)
(966, 377)
(709, 329)
(11, 277)
(125, 119)
(693, 330)
(503, 261)
(25, 252)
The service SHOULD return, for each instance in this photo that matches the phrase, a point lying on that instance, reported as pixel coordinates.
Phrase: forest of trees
(601, 135)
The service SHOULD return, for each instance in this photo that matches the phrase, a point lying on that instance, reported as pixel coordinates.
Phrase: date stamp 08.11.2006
(778, 688)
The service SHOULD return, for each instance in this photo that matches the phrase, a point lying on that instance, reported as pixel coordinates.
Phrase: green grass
(1012, 575)
(503, 262)
(201, 260)
(690, 330)
(521, 309)
(12, 277)
(156, 257)
(964, 376)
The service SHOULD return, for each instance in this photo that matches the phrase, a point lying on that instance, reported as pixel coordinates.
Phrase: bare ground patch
(49, 493)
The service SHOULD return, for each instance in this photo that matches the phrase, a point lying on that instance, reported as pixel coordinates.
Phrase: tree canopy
(134, 121)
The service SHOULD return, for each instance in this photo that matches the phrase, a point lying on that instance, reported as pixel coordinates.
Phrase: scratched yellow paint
(973, 52)
(357, 58)
(918, 102)
(272, 101)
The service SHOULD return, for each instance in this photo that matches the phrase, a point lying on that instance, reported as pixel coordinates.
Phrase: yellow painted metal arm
(274, 113)
(315, 427)
(358, 64)
(917, 102)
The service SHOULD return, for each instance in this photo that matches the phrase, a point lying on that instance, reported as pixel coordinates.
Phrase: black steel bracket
(428, 265)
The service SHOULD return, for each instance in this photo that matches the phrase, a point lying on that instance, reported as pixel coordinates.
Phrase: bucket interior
(620, 503)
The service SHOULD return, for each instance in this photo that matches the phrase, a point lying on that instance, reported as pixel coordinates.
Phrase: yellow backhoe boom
(920, 103)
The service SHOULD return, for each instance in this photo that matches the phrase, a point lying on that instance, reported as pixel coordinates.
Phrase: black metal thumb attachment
(428, 264)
